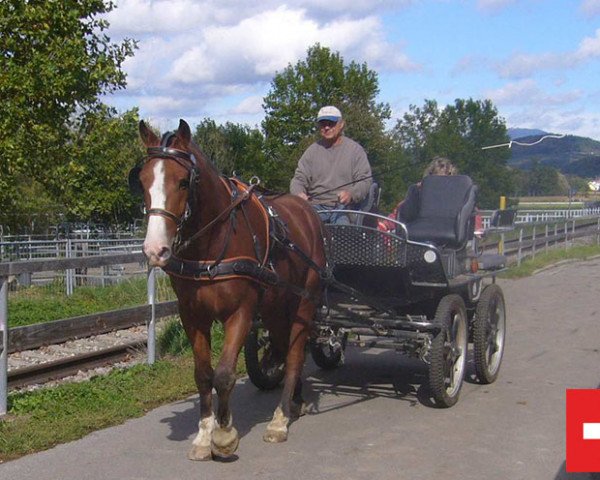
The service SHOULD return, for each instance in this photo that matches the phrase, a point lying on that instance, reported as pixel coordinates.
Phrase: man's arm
(361, 170)
(299, 182)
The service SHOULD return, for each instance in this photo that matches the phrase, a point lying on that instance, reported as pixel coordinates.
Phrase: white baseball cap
(330, 113)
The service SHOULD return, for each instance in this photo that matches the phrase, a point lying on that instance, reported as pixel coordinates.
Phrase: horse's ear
(148, 136)
(184, 133)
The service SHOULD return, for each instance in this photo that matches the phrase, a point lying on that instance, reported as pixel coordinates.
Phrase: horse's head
(167, 179)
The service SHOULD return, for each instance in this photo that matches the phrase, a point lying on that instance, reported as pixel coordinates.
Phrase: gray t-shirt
(321, 169)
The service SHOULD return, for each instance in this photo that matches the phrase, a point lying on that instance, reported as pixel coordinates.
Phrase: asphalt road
(369, 420)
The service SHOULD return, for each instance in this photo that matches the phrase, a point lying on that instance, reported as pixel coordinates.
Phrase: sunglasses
(326, 123)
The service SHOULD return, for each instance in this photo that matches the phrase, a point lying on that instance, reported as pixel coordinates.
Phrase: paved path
(367, 420)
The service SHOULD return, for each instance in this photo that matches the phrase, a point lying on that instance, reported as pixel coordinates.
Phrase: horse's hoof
(275, 436)
(225, 442)
(200, 453)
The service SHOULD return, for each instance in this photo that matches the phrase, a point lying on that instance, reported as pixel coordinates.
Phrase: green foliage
(299, 91)
(541, 180)
(44, 304)
(56, 61)
(43, 418)
(235, 148)
(458, 132)
(530, 265)
(172, 339)
(92, 185)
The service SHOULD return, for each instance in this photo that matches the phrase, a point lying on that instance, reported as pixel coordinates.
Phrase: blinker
(135, 186)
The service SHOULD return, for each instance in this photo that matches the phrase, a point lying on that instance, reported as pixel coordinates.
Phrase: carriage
(267, 268)
(425, 289)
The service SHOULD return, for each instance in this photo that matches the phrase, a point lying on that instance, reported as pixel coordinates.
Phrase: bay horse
(230, 256)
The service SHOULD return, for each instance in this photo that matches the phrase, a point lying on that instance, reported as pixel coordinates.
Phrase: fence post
(69, 272)
(555, 234)
(152, 320)
(546, 236)
(566, 235)
(520, 246)
(3, 345)
(533, 243)
(598, 234)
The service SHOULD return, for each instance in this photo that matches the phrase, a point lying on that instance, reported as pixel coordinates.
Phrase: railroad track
(41, 373)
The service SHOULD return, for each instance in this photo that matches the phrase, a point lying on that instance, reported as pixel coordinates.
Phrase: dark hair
(440, 166)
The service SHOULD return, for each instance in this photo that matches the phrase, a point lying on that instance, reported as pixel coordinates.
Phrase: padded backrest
(446, 206)
(369, 204)
(444, 196)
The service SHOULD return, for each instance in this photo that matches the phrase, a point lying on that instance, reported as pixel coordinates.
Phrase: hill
(570, 154)
(515, 133)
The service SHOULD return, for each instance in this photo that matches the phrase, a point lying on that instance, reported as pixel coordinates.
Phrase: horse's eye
(184, 184)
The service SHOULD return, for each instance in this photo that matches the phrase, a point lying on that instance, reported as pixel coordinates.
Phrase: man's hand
(344, 197)
(303, 196)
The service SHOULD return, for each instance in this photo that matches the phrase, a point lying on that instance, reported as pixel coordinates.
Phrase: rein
(226, 268)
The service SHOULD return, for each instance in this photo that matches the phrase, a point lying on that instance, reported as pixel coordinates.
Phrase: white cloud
(524, 65)
(249, 106)
(493, 6)
(590, 7)
(527, 92)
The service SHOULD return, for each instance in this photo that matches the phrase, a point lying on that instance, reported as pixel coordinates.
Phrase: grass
(43, 418)
(553, 256)
(38, 304)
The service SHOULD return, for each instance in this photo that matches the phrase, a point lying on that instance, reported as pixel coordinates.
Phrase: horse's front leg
(203, 375)
(225, 437)
(290, 406)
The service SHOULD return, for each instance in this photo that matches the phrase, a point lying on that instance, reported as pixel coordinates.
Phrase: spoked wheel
(327, 350)
(489, 330)
(264, 367)
(448, 351)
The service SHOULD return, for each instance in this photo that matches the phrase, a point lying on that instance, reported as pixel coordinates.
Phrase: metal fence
(14, 269)
(72, 248)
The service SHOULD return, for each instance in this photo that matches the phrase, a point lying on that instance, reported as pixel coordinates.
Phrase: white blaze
(157, 236)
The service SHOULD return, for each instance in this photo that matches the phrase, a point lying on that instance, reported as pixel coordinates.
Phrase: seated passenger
(407, 209)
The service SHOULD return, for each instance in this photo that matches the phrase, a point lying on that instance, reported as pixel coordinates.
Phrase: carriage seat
(369, 204)
(445, 211)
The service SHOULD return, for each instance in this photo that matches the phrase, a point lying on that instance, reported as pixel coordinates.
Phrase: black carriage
(424, 289)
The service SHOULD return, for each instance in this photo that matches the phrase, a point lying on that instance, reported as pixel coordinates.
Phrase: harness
(259, 268)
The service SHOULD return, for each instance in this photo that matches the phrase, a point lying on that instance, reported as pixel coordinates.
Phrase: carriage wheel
(448, 352)
(327, 350)
(264, 369)
(489, 330)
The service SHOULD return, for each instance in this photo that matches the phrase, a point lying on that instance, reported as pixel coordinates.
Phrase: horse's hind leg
(203, 374)
(291, 397)
(225, 437)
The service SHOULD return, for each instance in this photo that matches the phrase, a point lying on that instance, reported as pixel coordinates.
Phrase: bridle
(187, 160)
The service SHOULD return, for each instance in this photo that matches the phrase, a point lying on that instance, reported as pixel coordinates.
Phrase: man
(333, 173)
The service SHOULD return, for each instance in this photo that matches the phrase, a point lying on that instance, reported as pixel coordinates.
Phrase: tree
(92, 185)
(459, 132)
(55, 62)
(235, 148)
(299, 91)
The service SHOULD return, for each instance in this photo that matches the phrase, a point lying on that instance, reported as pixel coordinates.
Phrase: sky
(537, 60)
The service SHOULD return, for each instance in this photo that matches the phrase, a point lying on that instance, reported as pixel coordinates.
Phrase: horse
(231, 255)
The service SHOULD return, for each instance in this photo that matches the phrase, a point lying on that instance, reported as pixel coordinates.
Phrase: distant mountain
(570, 154)
(515, 133)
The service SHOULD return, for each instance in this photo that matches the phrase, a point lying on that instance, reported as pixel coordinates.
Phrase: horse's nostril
(164, 253)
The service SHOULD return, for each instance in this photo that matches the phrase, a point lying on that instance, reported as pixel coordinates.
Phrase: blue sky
(537, 60)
